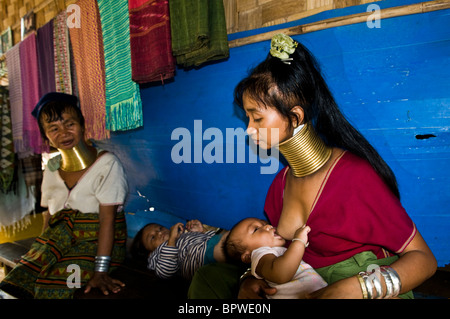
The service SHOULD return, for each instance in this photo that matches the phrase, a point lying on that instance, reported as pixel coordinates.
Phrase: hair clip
(282, 46)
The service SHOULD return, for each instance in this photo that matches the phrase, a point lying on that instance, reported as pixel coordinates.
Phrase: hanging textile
(61, 52)
(15, 97)
(15, 207)
(199, 32)
(32, 173)
(30, 94)
(87, 46)
(123, 99)
(7, 156)
(45, 56)
(150, 41)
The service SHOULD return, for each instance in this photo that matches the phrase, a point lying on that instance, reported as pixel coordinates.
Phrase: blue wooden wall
(392, 82)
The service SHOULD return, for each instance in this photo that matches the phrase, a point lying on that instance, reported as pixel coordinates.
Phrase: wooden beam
(345, 20)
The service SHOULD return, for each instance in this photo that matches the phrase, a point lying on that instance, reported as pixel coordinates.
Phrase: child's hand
(302, 233)
(175, 232)
(194, 226)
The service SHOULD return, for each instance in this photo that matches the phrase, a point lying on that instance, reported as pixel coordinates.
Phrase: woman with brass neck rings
(83, 189)
(336, 183)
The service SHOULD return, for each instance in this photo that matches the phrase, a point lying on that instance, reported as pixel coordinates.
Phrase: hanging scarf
(30, 94)
(87, 46)
(7, 157)
(62, 60)
(199, 32)
(15, 96)
(45, 56)
(150, 41)
(123, 99)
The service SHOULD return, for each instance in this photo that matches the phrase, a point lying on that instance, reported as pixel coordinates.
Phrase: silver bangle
(396, 283)
(102, 263)
(388, 282)
(377, 284)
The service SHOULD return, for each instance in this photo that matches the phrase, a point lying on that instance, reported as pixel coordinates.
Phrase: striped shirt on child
(186, 257)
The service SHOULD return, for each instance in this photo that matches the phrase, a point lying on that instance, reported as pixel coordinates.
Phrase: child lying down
(180, 250)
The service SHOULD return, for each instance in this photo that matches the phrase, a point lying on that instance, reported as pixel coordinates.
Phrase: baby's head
(147, 240)
(247, 235)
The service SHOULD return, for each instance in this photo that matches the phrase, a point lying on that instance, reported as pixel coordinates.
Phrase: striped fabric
(15, 96)
(70, 239)
(87, 45)
(185, 258)
(123, 100)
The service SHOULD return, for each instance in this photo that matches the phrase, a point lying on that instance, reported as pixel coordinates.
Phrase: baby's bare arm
(282, 269)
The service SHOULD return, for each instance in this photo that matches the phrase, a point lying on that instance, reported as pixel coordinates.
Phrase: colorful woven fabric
(87, 46)
(199, 32)
(15, 96)
(70, 239)
(32, 173)
(30, 95)
(123, 99)
(45, 56)
(62, 70)
(150, 41)
(7, 157)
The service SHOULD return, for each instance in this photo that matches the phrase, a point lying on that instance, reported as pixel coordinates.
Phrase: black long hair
(274, 83)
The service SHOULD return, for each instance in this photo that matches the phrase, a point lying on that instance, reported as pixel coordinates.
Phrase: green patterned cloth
(7, 156)
(199, 31)
(123, 99)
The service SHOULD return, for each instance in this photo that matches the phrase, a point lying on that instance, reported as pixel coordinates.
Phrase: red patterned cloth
(150, 40)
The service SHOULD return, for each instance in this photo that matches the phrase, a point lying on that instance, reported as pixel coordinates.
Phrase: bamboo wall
(11, 12)
(241, 15)
(245, 15)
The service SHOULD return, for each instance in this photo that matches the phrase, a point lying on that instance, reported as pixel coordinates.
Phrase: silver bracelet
(102, 263)
(377, 284)
(389, 284)
(396, 283)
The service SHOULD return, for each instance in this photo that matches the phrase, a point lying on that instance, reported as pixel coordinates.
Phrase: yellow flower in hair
(282, 46)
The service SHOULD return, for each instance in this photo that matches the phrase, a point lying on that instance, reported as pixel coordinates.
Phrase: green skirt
(71, 239)
(354, 265)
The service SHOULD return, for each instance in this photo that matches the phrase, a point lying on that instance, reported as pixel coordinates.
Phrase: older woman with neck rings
(336, 183)
(83, 189)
